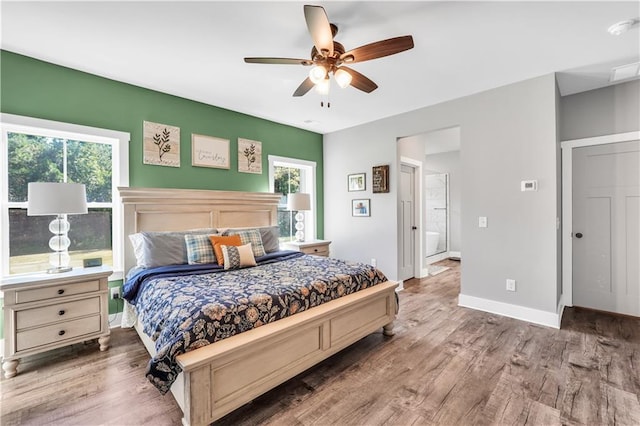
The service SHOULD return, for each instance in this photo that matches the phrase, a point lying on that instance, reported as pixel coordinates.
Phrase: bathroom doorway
(436, 156)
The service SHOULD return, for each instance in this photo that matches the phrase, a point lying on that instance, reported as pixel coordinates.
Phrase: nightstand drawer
(59, 312)
(322, 250)
(54, 291)
(56, 333)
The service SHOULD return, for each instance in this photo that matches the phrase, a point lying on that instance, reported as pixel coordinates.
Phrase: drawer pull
(316, 250)
(61, 333)
(61, 312)
(61, 291)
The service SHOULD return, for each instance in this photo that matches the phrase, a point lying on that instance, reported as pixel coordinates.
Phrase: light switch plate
(482, 222)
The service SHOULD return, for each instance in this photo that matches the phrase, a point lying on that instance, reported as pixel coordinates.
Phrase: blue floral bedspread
(185, 312)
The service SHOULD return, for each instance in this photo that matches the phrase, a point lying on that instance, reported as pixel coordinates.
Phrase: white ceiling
(195, 49)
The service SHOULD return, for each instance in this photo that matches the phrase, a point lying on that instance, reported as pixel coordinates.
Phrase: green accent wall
(40, 89)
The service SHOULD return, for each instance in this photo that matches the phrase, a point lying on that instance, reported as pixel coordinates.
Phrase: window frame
(308, 183)
(10, 123)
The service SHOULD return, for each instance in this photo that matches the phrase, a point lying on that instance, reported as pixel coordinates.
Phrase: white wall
(507, 134)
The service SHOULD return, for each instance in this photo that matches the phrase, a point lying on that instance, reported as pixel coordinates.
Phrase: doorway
(601, 233)
(437, 200)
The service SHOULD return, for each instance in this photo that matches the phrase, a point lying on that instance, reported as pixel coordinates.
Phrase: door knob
(578, 234)
(413, 228)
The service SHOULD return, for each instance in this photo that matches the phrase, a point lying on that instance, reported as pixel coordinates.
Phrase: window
(36, 150)
(290, 175)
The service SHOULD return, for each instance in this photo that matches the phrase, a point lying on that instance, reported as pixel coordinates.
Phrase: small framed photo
(360, 207)
(356, 182)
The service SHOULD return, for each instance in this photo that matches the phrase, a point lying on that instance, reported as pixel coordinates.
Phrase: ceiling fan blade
(306, 85)
(359, 81)
(282, 61)
(378, 49)
(319, 28)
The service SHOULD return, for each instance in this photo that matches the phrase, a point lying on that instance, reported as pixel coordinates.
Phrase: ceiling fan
(329, 57)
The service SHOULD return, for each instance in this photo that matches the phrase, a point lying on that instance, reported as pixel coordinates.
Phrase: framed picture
(249, 156)
(161, 144)
(207, 151)
(360, 207)
(380, 179)
(356, 182)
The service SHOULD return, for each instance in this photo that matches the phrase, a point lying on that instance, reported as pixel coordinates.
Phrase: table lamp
(299, 202)
(59, 199)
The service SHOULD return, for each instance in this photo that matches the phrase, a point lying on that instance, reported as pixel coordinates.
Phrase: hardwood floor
(445, 365)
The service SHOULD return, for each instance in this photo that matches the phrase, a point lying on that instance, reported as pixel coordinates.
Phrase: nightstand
(317, 247)
(47, 311)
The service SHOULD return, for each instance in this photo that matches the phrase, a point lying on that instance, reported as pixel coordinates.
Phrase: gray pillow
(154, 249)
(270, 238)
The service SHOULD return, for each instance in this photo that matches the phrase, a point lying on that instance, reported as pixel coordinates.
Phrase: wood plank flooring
(446, 365)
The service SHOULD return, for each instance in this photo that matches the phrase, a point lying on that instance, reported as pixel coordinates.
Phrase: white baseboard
(455, 254)
(400, 285)
(549, 319)
(437, 257)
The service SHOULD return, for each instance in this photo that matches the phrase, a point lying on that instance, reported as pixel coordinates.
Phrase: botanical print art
(161, 144)
(249, 156)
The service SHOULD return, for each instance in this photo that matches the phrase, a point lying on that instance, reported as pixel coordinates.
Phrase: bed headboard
(162, 209)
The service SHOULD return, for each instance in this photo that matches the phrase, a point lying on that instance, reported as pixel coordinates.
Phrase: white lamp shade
(52, 198)
(299, 201)
(343, 78)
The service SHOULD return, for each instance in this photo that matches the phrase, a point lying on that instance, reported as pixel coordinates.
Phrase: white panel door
(606, 227)
(407, 226)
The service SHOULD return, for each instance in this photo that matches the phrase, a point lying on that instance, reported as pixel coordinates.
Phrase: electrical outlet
(115, 292)
(511, 285)
(374, 263)
(482, 222)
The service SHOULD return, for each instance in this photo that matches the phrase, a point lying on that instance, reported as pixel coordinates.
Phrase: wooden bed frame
(225, 375)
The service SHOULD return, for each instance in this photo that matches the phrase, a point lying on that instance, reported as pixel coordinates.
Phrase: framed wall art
(161, 144)
(209, 151)
(380, 179)
(361, 207)
(356, 182)
(249, 156)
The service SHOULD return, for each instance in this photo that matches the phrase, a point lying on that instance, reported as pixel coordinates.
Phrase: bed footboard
(221, 377)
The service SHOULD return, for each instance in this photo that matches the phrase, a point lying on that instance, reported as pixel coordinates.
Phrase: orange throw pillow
(218, 241)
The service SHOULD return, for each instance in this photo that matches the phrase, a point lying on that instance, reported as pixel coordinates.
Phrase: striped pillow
(199, 249)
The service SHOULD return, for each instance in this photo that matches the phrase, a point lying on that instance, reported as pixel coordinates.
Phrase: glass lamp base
(300, 236)
(59, 269)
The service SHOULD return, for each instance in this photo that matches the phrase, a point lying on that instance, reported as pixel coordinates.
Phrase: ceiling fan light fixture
(317, 74)
(323, 87)
(342, 77)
